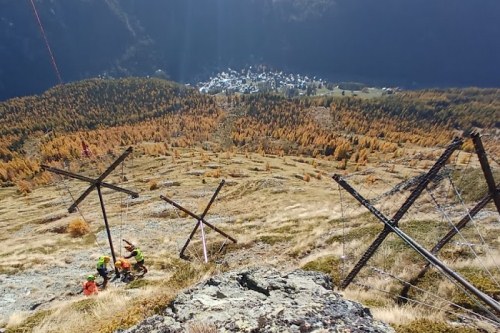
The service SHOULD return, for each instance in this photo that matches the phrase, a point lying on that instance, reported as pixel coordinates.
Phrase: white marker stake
(203, 241)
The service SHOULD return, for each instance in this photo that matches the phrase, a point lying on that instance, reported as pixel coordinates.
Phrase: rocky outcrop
(263, 300)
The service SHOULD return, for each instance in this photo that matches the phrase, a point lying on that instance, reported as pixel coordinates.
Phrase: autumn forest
(108, 115)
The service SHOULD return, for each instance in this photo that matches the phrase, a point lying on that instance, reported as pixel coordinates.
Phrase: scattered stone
(214, 166)
(196, 172)
(170, 183)
(299, 176)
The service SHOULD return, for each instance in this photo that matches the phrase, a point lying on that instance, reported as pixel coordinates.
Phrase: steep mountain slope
(409, 43)
(276, 156)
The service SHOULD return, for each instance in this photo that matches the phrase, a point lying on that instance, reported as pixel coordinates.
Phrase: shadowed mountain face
(398, 42)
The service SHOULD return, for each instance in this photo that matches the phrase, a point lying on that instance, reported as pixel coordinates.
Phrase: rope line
(82, 216)
(438, 206)
(396, 231)
(42, 30)
(473, 221)
(343, 233)
(480, 305)
(431, 294)
(460, 315)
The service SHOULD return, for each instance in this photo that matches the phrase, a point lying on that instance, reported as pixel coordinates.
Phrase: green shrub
(273, 239)
(426, 325)
(84, 305)
(30, 323)
(329, 265)
(369, 232)
(481, 280)
(472, 184)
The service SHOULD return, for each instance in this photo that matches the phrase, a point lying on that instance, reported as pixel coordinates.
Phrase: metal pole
(98, 181)
(204, 243)
(98, 186)
(457, 142)
(420, 250)
(89, 180)
(201, 219)
(198, 218)
(436, 262)
(488, 175)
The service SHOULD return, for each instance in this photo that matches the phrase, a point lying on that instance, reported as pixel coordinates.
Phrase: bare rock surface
(263, 300)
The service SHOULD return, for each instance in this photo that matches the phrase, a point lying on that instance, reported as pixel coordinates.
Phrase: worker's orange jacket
(125, 264)
(90, 288)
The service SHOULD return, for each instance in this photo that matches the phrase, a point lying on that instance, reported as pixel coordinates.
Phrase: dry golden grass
(78, 228)
(277, 218)
(153, 185)
(398, 315)
(201, 328)
(24, 187)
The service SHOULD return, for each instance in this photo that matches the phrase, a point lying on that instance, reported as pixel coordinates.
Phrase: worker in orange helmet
(90, 287)
(123, 265)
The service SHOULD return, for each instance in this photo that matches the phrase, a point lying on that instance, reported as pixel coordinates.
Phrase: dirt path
(223, 133)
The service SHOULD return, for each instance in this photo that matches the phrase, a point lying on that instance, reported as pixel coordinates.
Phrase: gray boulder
(263, 300)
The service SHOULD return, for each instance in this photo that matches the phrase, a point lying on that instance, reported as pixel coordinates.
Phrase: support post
(89, 180)
(108, 232)
(493, 193)
(457, 142)
(120, 159)
(488, 175)
(97, 184)
(419, 249)
(200, 220)
(173, 203)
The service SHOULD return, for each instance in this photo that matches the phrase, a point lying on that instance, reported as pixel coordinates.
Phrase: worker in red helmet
(137, 254)
(90, 287)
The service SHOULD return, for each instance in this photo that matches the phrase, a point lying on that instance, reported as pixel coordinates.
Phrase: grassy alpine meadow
(276, 157)
(284, 211)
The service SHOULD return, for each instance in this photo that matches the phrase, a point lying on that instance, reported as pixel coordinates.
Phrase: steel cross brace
(459, 226)
(432, 259)
(493, 193)
(200, 219)
(97, 184)
(457, 142)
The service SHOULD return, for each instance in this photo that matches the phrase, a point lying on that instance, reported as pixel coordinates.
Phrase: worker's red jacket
(90, 288)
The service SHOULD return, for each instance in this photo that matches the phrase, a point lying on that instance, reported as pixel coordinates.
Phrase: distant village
(254, 80)
(251, 81)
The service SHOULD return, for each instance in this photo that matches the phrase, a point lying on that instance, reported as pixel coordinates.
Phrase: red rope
(47, 43)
